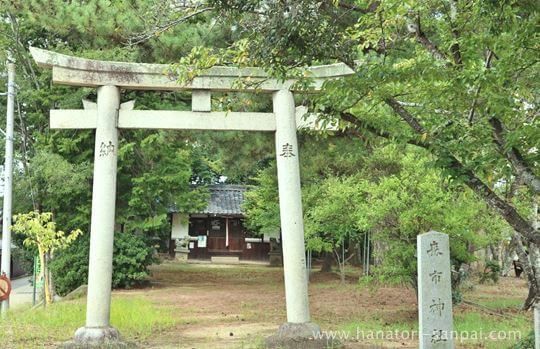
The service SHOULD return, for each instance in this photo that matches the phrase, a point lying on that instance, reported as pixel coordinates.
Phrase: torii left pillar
(97, 330)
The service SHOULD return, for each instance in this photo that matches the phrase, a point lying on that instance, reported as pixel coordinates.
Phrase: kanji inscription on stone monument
(434, 291)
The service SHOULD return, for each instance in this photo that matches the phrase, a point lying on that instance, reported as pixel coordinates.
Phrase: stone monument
(434, 291)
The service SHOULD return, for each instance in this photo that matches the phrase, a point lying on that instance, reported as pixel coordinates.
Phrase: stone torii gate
(108, 115)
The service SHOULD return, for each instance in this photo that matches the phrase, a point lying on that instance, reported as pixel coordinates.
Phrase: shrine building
(218, 233)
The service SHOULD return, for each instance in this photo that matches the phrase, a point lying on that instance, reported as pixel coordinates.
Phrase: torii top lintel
(75, 71)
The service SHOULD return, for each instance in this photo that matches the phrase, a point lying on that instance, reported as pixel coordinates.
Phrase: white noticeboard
(201, 241)
(180, 226)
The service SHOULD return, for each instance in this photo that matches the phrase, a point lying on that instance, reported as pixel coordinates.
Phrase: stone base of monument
(181, 254)
(300, 336)
(275, 259)
(97, 337)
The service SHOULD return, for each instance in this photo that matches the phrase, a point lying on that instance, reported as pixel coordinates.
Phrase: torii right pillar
(298, 331)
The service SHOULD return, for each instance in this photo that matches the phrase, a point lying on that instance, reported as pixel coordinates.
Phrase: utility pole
(8, 181)
(536, 263)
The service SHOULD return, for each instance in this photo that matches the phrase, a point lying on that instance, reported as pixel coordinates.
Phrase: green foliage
(394, 192)
(431, 57)
(52, 183)
(457, 296)
(262, 203)
(156, 174)
(526, 342)
(157, 170)
(416, 199)
(295, 34)
(70, 267)
(491, 272)
(330, 213)
(131, 259)
(40, 232)
(458, 281)
(436, 74)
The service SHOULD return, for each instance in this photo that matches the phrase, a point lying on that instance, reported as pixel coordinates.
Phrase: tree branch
(372, 7)
(20, 51)
(487, 65)
(507, 211)
(147, 35)
(416, 29)
(365, 126)
(530, 271)
(514, 157)
(405, 115)
(455, 50)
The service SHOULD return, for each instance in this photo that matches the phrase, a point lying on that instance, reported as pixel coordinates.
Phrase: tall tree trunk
(495, 253)
(50, 256)
(340, 259)
(530, 270)
(46, 283)
(508, 257)
(327, 262)
(414, 284)
(45, 273)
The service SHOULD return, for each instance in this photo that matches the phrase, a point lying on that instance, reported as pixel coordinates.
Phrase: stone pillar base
(300, 336)
(181, 256)
(181, 252)
(275, 259)
(97, 337)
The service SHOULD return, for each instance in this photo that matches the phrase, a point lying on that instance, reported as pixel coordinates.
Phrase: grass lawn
(135, 317)
(211, 306)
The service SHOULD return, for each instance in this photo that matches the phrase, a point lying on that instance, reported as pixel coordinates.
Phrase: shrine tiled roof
(225, 199)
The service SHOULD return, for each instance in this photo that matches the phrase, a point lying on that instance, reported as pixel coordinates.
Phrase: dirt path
(237, 307)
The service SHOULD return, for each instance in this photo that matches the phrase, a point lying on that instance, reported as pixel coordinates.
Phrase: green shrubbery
(70, 267)
(491, 272)
(132, 256)
(526, 342)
